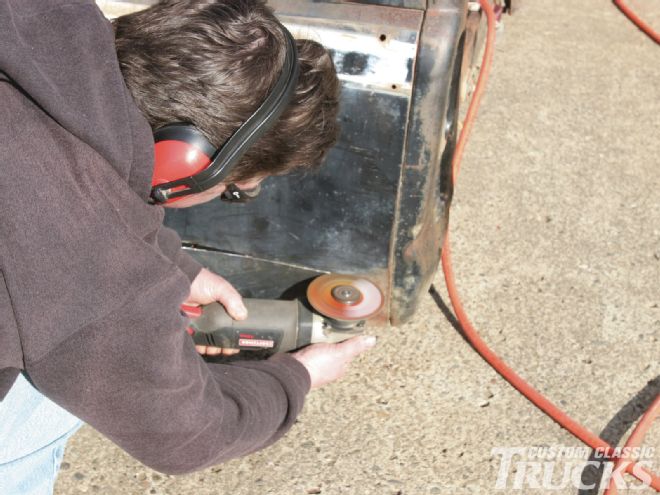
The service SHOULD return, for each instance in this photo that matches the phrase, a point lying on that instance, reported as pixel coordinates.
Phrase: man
(90, 281)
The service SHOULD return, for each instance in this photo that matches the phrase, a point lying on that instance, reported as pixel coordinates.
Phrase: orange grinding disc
(344, 297)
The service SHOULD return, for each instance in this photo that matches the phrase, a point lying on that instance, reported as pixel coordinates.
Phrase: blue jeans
(33, 434)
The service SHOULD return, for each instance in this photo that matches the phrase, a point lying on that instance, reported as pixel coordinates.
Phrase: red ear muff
(174, 160)
(180, 151)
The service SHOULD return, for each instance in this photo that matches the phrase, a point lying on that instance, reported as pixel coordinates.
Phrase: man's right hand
(328, 362)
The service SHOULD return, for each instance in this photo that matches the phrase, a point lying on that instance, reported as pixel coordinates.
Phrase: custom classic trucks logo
(560, 467)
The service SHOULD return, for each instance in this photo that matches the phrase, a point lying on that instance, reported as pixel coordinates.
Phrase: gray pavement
(556, 241)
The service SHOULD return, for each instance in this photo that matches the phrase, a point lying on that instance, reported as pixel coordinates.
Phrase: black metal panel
(258, 278)
(379, 205)
(337, 219)
(341, 218)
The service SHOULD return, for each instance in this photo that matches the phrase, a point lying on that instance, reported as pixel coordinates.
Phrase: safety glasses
(233, 194)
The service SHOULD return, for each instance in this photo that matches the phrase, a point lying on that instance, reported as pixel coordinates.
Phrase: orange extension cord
(488, 355)
(634, 441)
(637, 21)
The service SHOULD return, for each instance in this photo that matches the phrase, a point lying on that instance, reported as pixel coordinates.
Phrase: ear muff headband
(239, 142)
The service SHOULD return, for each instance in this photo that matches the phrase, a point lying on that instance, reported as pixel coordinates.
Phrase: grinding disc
(344, 297)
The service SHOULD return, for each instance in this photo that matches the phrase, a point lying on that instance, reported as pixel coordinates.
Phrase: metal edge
(421, 217)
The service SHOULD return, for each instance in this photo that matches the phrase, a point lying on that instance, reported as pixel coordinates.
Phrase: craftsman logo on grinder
(256, 343)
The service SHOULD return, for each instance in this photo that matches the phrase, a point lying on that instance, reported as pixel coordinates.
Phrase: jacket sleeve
(135, 377)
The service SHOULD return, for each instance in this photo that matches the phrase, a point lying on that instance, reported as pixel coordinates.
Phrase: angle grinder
(341, 304)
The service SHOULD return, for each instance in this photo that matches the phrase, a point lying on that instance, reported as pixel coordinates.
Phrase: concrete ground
(556, 241)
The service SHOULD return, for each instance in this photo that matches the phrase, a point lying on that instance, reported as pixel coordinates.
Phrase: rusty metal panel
(378, 207)
(425, 189)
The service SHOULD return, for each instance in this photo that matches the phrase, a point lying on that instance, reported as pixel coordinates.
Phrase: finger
(201, 349)
(230, 352)
(228, 296)
(357, 345)
(213, 351)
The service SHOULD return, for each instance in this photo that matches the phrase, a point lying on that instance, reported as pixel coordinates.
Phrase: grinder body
(272, 326)
(341, 305)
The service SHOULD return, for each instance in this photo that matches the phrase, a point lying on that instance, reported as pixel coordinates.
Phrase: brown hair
(212, 63)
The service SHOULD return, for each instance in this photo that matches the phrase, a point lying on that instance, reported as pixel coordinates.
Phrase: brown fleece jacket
(90, 280)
